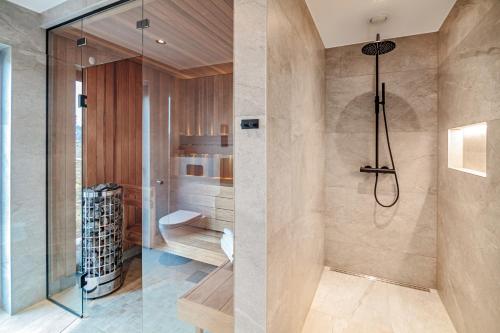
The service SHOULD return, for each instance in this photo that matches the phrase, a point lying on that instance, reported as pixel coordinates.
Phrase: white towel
(228, 232)
(227, 244)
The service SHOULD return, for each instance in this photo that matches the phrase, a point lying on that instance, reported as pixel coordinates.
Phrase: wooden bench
(209, 304)
(197, 244)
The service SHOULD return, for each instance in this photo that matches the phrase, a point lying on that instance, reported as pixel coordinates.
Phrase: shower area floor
(350, 304)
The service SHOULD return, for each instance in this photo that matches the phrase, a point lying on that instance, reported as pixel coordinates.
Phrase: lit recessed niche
(467, 149)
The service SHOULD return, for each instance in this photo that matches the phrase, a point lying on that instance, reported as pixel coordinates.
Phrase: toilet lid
(179, 217)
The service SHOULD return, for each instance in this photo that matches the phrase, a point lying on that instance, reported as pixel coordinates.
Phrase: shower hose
(393, 166)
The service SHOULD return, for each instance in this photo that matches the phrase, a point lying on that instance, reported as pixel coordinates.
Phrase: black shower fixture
(376, 49)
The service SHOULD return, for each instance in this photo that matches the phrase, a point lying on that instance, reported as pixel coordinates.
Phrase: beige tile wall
(250, 170)
(23, 211)
(469, 205)
(279, 168)
(397, 243)
(295, 163)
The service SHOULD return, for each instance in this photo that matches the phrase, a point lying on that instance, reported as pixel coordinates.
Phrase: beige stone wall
(279, 79)
(250, 23)
(295, 163)
(397, 243)
(23, 206)
(469, 205)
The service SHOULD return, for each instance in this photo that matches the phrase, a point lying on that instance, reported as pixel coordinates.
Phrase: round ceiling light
(161, 41)
(378, 19)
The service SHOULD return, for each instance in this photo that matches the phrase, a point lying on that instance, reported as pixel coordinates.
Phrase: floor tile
(350, 304)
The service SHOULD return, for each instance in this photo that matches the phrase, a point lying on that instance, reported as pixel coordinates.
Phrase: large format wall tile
(397, 243)
(469, 209)
(24, 229)
(295, 159)
(411, 102)
(250, 38)
(414, 153)
(411, 53)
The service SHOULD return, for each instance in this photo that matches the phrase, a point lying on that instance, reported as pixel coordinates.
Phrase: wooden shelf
(209, 305)
(197, 244)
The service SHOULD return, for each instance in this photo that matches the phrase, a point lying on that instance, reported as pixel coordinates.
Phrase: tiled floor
(146, 303)
(43, 317)
(350, 304)
(343, 304)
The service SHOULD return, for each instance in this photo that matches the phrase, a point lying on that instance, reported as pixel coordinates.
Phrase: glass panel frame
(64, 168)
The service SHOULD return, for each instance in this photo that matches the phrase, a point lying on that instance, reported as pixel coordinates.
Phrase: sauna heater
(102, 237)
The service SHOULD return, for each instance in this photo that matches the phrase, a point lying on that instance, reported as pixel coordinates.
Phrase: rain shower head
(378, 47)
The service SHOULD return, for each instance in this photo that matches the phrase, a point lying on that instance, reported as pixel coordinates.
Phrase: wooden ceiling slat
(183, 30)
(199, 33)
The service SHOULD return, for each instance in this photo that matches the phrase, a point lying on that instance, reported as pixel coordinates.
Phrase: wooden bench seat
(209, 304)
(197, 244)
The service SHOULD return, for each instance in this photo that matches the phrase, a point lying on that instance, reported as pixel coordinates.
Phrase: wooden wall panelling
(214, 201)
(90, 128)
(110, 123)
(227, 104)
(100, 123)
(205, 105)
(151, 78)
(161, 87)
(211, 70)
(203, 115)
(114, 129)
(113, 136)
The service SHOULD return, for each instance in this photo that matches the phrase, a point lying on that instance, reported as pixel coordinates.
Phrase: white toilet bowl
(174, 220)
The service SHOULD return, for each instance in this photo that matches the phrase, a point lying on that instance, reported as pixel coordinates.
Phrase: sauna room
(141, 166)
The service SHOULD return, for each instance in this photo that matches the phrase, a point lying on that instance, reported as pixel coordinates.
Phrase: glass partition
(112, 35)
(112, 161)
(94, 84)
(187, 162)
(65, 115)
(141, 165)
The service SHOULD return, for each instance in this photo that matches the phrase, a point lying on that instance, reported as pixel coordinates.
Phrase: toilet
(176, 219)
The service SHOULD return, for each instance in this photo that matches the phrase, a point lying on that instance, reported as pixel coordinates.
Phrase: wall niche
(467, 148)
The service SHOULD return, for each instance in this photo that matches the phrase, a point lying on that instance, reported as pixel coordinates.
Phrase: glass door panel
(95, 109)
(158, 91)
(112, 158)
(187, 156)
(65, 168)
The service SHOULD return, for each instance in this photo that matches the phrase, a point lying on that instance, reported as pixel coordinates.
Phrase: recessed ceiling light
(379, 19)
(161, 41)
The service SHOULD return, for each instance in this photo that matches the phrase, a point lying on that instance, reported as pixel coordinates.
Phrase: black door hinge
(142, 24)
(81, 42)
(82, 101)
(83, 280)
